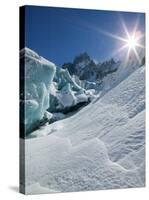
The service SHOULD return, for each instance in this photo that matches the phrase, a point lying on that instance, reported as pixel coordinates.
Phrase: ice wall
(65, 93)
(38, 76)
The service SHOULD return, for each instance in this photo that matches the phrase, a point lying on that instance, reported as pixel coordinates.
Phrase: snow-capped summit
(80, 66)
(86, 69)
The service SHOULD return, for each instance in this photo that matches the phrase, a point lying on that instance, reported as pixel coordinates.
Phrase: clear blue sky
(60, 34)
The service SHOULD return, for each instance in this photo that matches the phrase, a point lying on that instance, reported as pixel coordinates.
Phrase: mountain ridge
(85, 68)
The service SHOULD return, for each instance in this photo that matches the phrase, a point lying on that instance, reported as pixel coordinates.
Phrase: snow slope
(100, 147)
(125, 68)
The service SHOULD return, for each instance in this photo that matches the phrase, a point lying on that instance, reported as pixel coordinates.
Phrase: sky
(60, 34)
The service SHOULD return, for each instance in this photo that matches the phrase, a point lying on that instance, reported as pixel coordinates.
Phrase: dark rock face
(86, 69)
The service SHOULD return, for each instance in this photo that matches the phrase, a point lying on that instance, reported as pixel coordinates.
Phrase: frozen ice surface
(38, 75)
(65, 92)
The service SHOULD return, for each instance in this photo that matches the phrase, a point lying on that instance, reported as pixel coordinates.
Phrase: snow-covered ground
(100, 147)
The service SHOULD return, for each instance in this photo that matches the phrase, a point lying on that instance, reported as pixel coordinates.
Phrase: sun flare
(131, 42)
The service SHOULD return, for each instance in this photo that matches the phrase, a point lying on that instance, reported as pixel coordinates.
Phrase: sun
(132, 42)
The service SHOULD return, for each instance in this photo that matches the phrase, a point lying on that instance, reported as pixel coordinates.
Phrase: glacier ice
(38, 76)
(65, 92)
(47, 88)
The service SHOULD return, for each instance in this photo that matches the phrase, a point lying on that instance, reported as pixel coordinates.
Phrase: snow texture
(100, 147)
